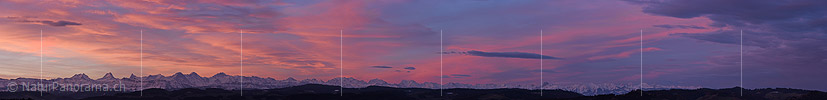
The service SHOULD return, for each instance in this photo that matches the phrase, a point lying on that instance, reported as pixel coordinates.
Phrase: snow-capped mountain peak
(108, 76)
(81, 76)
(220, 74)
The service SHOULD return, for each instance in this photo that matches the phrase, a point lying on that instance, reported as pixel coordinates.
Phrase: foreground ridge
(327, 92)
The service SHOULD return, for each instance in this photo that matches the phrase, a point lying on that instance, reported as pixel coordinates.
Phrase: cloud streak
(680, 26)
(59, 23)
(381, 67)
(522, 55)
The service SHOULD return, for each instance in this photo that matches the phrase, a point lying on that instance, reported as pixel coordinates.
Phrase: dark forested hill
(326, 92)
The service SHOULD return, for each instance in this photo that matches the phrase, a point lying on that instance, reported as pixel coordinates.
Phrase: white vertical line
(440, 63)
(241, 34)
(122, 88)
(41, 63)
(541, 62)
(142, 63)
(641, 62)
(742, 63)
(341, 63)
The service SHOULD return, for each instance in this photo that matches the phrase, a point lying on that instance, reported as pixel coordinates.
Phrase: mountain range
(224, 81)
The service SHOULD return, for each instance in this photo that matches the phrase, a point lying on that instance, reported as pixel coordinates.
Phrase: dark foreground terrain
(324, 92)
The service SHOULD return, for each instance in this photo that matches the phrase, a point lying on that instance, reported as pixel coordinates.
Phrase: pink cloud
(303, 41)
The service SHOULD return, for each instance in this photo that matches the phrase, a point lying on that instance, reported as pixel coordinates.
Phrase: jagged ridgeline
(228, 82)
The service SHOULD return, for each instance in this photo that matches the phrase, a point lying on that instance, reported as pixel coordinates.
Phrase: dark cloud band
(50, 23)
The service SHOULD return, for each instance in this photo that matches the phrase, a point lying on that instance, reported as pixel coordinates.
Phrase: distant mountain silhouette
(228, 82)
(328, 92)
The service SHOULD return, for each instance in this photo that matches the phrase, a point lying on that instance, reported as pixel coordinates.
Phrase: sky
(685, 42)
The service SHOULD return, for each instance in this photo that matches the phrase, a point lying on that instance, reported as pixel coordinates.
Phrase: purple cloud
(789, 35)
(410, 68)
